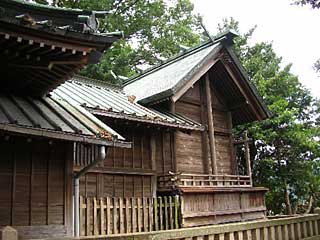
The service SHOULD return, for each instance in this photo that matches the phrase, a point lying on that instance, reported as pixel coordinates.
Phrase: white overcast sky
(294, 30)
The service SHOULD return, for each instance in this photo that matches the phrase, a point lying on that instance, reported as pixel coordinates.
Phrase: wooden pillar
(153, 165)
(247, 154)
(234, 164)
(173, 140)
(204, 134)
(211, 127)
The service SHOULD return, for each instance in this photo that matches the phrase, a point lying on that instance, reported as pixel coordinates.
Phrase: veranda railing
(203, 180)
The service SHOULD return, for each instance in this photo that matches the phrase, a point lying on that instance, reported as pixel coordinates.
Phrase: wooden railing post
(247, 154)
(8, 233)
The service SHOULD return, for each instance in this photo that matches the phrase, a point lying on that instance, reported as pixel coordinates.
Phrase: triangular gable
(174, 78)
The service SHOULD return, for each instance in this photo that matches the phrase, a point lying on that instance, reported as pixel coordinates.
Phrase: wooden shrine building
(40, 48)
(179, 117)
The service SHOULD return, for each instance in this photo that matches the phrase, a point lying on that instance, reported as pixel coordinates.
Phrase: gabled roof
(54, 118)
(102, 99)
(163, 81)
(43, 46)
(173, 78)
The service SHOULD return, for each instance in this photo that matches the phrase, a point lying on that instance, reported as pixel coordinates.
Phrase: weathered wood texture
(105, 216)
(36, 186)
(192, 149)
(205, 208)
(127, 172)
(274, 229)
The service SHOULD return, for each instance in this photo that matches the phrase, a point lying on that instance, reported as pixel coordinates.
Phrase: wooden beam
(233, 77)
(211, 126)
(173, 141)
(153, 148)
(247, 155)
(234, 165)
(204, 136)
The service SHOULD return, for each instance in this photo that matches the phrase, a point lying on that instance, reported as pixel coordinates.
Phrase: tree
(288, 147)
(312, 3)
(153, 29)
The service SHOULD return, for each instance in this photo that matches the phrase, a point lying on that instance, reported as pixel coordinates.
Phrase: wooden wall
(199, 209)
(192, 149)
(128, 172)
(36, 185)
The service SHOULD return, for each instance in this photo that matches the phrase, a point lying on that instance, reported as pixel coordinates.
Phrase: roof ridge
(170, 61)
(96, 82)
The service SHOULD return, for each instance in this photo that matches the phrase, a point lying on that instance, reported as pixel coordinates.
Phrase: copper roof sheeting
(104, 100)
(54, 118)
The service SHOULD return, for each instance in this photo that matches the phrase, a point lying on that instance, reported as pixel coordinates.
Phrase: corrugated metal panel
(56, 118)
(108, 101)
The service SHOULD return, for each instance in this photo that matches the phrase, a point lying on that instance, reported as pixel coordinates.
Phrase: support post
(153, 165)
(76, 207)
(211, 126)
(247, 155)
(173, 137)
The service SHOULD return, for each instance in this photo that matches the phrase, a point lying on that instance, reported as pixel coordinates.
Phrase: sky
(293, 30)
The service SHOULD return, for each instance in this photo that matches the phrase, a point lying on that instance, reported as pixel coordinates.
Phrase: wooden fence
(107, 216)
(292, 228)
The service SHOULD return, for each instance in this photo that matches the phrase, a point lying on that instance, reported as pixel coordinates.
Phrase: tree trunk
(311, 201)
(287, 199)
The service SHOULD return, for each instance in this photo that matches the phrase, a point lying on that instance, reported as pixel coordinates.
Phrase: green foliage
(312, 3)
(154, 29)
(288, 147)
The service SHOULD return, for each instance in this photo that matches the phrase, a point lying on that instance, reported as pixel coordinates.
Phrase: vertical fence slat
(160, 213)
(249, 234)
(145, 215)
(155, 208)
(134, 218)
(170, 212)
(102, 217)
(240, 235)
(299, 231)
(257, 234)
(176, 211)
(81, 216)
(231, 236)
(316, 228)
(150, 210)
(166, 217)
(108, 222)
(279, 232)
(114, 215)
(88, 217)
(139, 215)
(127, 215)
(221, 236)
(121, 216)
(292, 234)
(265, 233)
(310, 223)
(285, 232)
(272, 233)
(95, 216)
(305, 232)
